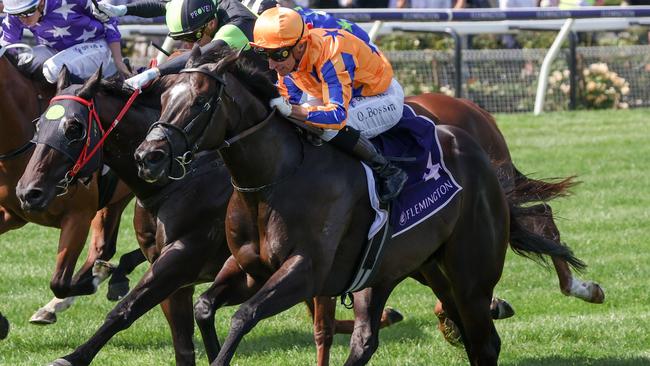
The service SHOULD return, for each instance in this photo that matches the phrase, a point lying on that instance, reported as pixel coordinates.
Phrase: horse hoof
(392, 316)
(501, 309)
(116, 291)
(102, 269)
(43, 317)
(447, 327)
(4, 327)
(597, 294)
(60, 362)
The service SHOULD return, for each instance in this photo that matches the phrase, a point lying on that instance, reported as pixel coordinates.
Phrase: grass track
(606, 222)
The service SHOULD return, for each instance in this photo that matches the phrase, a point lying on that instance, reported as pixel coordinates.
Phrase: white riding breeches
(371, 115)
(82, 60)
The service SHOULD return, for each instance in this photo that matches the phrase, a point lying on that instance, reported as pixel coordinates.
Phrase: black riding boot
(391, 179)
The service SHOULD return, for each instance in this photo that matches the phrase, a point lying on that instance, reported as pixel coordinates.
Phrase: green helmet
(185, 17)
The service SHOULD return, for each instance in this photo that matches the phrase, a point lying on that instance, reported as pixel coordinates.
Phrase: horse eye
(74, 130)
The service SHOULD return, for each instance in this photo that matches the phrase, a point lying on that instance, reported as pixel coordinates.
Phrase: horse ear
(63, 80)
(91, 86)
(227, 62)
(194, 55)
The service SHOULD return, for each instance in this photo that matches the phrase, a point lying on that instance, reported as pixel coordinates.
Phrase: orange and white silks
(337, 66)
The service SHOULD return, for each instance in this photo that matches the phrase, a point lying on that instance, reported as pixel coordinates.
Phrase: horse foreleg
(231, 286)
(174, 268)
(178, 311)
(118, 285)
(47, 313)
(368, 305)
(74, 230)
(289, 285)
(389, 317)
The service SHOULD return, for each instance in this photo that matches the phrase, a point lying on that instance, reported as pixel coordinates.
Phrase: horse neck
(19, 106)
(264, 157)
(119, 147)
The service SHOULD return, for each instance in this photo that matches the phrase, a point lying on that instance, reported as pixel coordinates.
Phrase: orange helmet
(279, 27)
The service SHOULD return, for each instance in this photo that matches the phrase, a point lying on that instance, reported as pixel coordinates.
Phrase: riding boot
(391, 179)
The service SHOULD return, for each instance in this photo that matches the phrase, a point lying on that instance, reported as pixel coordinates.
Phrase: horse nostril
(154, 157)
(33, 195)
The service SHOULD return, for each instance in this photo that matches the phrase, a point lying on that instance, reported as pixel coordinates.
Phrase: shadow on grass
(580, 361)
(296, 339)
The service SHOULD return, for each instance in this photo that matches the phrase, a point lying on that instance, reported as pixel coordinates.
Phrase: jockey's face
(290, 64)
(30, 18)
(210, 30)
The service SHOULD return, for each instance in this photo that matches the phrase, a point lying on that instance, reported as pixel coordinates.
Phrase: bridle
(186, 131)
(88, 151)
(212, 106)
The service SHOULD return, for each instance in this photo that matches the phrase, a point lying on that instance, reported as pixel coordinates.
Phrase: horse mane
(242, 67)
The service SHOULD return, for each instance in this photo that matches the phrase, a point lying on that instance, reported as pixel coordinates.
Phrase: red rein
(85, 156)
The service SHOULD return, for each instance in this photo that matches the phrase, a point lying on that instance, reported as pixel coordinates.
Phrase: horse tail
(533, 190)
(534, 246)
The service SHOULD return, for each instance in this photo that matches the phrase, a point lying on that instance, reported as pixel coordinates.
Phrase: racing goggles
(191, 36)
(29, 12)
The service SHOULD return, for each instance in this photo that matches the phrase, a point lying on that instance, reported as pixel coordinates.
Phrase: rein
(228, 142)
(248, 132)
(87, 153)
(17, 152)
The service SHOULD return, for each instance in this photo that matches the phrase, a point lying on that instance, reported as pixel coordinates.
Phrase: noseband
(169, 130)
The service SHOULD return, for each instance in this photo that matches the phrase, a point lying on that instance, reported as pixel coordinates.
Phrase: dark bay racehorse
(187, 214)
(300, 214)
(537, 217)
(21, 101)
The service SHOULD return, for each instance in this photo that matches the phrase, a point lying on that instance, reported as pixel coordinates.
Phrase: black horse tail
(534, 246)
(532, 190)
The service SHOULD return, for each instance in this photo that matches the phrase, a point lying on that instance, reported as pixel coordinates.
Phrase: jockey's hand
(122, 68)
(142, 79)
(283, 105)
(104, 11)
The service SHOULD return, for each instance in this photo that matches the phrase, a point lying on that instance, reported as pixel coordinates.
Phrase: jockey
(351, 92)
(67, 34)
(206, 22)
(229, 22)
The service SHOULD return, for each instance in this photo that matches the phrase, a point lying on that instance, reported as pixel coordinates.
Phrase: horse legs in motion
(105, 227)
(539, 219)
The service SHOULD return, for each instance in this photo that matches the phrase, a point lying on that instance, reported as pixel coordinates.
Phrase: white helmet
(19, 6)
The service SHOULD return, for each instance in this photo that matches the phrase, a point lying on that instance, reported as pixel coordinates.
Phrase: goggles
(191, 36)
(29, 12)
(282, 53)
(277, 54)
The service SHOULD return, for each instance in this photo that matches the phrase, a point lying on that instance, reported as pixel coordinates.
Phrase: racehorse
(537, 217)
(21, 100)
(295, 234)
(187, 214)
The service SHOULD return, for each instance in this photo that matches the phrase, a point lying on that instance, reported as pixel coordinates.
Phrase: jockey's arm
(176, 64)
(147, 8)
(116, 52)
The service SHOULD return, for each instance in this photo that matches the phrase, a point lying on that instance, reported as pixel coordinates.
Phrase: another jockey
(228, 22)
(205, 22)
(352, 93)
(67, 34)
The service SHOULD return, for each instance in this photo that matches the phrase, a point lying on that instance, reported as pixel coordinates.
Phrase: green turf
(606, 222)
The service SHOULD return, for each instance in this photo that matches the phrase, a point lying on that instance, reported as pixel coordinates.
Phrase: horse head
(202, 109)
(68, 130)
